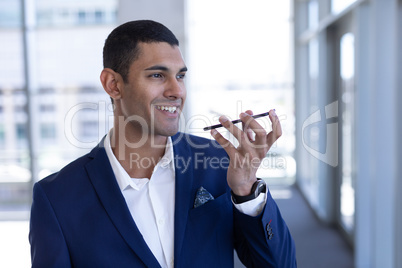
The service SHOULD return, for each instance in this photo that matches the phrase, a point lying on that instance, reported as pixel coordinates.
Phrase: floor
(317, 245)
(14, 245)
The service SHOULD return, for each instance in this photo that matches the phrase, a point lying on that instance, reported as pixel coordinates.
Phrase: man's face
(155, 90)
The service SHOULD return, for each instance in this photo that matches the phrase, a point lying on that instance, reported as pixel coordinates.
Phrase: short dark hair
(121, 46)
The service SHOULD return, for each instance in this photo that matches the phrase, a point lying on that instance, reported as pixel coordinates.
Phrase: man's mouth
(170, 109)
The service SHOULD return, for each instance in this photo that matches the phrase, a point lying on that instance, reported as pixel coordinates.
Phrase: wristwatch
(258, 187)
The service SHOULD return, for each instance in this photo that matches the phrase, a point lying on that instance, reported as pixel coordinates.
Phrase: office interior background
(330, 68)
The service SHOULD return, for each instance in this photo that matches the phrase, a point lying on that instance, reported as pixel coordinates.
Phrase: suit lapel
(102, 177)
(184, 180)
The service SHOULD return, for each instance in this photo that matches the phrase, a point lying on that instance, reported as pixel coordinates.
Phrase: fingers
(276, 128)
(239, 134)
(246, 158)
(249, 132)
(251, 125)
(235, 131)
(226, 145)
(250, 128)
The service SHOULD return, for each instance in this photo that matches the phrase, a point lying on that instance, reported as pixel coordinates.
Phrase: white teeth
(170, 109)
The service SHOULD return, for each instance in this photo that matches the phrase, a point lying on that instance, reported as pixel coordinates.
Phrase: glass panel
(72, 108)
(10, 13)
(69, 109)
(15, 172)
(338, 6)
(347, 191)
(250, 68)
(75, 12)
(71, 121)
(313, 131)
(313, 14)
(15, 175)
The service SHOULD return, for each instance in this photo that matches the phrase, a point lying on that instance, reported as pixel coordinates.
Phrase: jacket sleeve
(264, 240)
(48, 246)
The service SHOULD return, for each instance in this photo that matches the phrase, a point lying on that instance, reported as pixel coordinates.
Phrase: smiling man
(148, 102)
(131, 202)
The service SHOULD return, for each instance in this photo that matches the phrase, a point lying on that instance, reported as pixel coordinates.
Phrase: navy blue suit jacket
(79, 217)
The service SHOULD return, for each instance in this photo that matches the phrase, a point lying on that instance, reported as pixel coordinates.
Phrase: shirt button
(161, 221)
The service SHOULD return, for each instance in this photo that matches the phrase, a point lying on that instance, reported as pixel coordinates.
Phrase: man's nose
(175, 89)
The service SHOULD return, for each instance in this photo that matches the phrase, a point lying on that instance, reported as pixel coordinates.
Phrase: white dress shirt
(151, 201)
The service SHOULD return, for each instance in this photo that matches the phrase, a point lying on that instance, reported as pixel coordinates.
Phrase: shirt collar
(167, 159)
(123, 179)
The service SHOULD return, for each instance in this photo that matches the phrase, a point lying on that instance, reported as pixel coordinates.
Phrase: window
(347, 189)
(47, 108)
(48, 131)
(10, 13)
(55, 60)
(338, 6)
(82, 15)
(21, 131)
(99, 16)
(257, 78)
(2, 136)
(89, 130)
(325, 63)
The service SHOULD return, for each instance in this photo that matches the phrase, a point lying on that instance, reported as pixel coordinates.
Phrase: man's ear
(112, 82)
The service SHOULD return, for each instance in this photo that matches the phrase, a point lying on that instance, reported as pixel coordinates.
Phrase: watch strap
(258, 187)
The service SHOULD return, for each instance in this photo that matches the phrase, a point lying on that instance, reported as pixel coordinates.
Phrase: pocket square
(202, 197)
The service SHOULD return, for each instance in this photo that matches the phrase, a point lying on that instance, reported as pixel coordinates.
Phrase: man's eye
(156, 75)
(180, 76)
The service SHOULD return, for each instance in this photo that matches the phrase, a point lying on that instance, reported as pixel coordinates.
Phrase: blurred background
(330, 68)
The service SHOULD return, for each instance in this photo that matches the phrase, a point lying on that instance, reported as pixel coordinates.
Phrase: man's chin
(172, 133)
(168, 131)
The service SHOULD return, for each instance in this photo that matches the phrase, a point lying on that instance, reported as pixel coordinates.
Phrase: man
(150, 196)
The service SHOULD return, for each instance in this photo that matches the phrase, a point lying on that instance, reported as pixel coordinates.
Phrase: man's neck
(138, 155)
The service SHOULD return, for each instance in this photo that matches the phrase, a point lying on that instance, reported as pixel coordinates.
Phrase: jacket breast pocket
(209, 234)
(220, 206)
